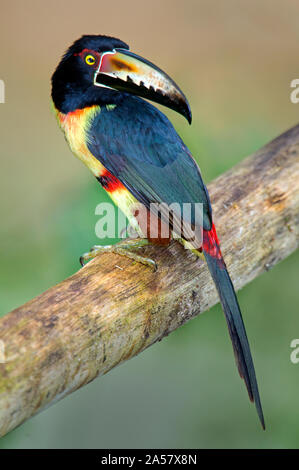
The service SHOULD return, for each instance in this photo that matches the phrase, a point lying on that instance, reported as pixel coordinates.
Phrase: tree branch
(103, 315)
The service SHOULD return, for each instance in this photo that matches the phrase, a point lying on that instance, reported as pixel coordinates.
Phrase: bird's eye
(90, 59)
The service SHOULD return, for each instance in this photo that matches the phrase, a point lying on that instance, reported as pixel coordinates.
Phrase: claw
(84, 258)
(124, 248)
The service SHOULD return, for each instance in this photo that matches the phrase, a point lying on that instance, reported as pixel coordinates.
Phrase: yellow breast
(75, 126)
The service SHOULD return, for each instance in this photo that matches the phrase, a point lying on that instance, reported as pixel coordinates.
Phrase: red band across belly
(109, 182)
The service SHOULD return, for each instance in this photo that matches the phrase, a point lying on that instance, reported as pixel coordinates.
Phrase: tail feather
(230, 305)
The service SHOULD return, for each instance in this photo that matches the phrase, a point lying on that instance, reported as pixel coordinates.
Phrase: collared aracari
(135, 153)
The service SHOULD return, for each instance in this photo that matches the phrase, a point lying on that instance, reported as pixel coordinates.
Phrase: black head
(101, 70)
(72, 81)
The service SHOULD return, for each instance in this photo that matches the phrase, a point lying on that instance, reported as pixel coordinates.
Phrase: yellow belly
(75, 126)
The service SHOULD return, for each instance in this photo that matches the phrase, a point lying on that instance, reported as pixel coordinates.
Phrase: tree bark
(112, 309)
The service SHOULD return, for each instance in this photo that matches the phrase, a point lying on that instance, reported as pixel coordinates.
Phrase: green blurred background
(235, 61)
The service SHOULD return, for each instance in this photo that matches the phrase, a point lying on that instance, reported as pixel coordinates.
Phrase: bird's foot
(123, 248)
(188, 246)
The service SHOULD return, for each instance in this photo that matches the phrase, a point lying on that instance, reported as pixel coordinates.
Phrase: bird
(102, 94)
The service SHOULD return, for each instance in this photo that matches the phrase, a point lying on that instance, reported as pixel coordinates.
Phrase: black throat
(68, 97)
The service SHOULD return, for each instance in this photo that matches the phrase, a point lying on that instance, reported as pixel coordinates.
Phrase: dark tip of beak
(187, 113)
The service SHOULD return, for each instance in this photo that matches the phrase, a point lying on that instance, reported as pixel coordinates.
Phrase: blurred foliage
(185, 391)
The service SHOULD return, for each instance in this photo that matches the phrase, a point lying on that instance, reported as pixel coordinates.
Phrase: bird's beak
(124, 71)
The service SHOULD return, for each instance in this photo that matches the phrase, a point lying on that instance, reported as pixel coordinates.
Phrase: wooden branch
(103, 315)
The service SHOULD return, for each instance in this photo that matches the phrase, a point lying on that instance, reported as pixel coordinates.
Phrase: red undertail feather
(210, 243)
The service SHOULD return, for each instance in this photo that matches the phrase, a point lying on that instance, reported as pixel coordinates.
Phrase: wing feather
(146, 154)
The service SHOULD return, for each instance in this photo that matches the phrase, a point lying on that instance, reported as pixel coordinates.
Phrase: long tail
(218, 270)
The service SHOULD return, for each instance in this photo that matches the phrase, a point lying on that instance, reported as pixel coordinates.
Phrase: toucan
(100, 91)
